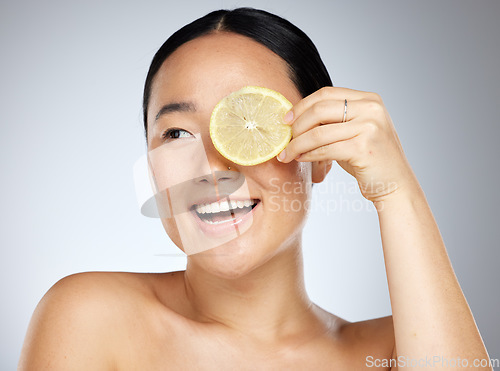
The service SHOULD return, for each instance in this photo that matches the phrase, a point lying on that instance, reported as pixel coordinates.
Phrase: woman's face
(190, 83)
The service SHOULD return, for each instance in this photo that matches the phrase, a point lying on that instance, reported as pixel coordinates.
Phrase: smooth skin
(246, 308)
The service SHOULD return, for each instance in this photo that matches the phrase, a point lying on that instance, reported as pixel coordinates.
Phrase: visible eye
(175, 133)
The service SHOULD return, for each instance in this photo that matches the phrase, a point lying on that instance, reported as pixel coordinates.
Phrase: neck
(269, 302)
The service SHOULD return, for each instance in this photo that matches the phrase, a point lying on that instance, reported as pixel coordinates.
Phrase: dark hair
(306, 68)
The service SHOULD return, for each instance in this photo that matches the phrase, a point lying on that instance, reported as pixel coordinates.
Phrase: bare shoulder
(80, 321)
(380, 328)
(374, 338)
(354, 342)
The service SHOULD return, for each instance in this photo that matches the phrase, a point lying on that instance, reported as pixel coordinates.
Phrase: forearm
(430, 313)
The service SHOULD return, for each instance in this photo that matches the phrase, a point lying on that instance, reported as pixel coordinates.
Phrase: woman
(241, 304)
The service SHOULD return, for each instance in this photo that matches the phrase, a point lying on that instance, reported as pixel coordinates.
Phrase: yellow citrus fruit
(247, 126)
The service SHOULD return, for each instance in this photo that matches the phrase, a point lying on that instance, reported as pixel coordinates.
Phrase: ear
(319, 170)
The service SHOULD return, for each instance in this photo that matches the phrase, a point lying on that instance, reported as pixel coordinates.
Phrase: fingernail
(281, 156)
(288, 117)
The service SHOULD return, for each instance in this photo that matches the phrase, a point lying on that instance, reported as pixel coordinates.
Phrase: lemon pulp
(247, 127)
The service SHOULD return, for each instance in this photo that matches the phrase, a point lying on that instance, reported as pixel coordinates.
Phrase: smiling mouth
(224, 211)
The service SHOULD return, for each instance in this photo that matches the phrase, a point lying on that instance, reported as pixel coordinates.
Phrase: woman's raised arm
(432, 320)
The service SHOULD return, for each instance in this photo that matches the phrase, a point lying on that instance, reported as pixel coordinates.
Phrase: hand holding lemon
(359, 135)
(247, 128)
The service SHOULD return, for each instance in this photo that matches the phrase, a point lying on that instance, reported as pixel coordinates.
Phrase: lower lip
(239, 224)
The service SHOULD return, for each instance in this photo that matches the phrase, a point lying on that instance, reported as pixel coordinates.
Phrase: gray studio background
(71, 78)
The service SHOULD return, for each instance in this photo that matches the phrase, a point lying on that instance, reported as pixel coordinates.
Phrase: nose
(223, 183)
(223, 173)
(219, 177)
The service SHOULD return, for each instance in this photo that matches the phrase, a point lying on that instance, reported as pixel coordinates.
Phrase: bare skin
(246, 307)
(127, 321)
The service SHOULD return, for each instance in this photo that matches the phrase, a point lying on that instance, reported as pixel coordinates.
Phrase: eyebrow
(175, 107)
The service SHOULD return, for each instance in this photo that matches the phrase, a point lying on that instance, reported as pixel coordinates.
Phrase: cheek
(290, 192)
(293, 179)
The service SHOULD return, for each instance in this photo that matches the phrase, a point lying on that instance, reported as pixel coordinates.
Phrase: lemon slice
(247, 126)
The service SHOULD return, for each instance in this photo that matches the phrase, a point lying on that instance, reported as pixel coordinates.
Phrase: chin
(232, 260)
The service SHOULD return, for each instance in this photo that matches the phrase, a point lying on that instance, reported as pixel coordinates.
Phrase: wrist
(401, 196)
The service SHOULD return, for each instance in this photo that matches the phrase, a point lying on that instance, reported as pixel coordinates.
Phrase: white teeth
(223, 205)
(214, 207)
